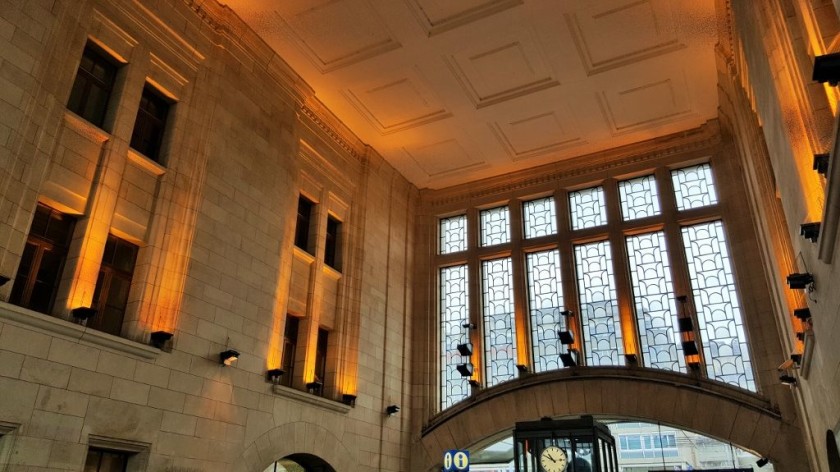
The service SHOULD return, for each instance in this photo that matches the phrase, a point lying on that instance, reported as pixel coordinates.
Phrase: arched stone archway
(717, 410)
(296, 438)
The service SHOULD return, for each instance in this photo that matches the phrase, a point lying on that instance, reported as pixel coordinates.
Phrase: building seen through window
(588, 328)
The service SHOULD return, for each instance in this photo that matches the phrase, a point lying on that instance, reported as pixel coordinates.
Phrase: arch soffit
(296, 438)
(711, 408)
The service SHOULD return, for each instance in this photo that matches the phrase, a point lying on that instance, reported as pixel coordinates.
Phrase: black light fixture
(314, 387)
(161, 340)
(796, 358)
(800, 335)
(690, 348)
(4, 280)
(83, 313)
(694, 366)
(569, 359)
(797, 280)
(566, 337)
(392, 410)
(821, 163)
(475, 383)
(469, 326)
(804, 314)
(465, 349)
(788, 380)
(228, 357)
(349, 399)
(762, 462)
(522, 368)
(810, 231)
(274, 375)
(466, 370)
(631, 360)
(827, 68)
(567, 313)
(685, 325)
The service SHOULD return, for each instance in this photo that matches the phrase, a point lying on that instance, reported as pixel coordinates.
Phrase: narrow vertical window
(499, 325)
(639, 198)
(110, 296)
(331, 248)
(495, 226)
(304, 222)
(694, 187)
(540, 217)
(545, 297)
(588, 207)
(598, 304)
(105, 460)
(290, 341)
(453, 234)
(42, 262)
(321, 358)
(716, 302)
(454, 313)
(93, 85)
(653, 294)
(150, 124)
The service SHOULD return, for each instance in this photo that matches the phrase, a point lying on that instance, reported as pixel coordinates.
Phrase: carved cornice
(332, 127)
(704, 137)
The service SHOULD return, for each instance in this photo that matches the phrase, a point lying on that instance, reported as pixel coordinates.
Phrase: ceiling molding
(458, 18)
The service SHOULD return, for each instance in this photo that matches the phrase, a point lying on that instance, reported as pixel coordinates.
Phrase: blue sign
(455, 460)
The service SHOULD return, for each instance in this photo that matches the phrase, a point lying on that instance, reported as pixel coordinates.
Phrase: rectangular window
(290, 340)
(599, 304)
(110, 296)
(540, 217)
(639, 198)
(495, 226)
(150, 124)
(102, 460)
(694, 187)
(331, 249)
(453, 234)
(653, 294)
(588, 208)
(42, 262)
(545, 296)
(499, 325)
(454, 314)
(716, 301)
(304, 222)
(321, 358)
(92, 88)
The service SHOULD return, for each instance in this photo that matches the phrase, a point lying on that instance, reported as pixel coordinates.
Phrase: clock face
(553, 459)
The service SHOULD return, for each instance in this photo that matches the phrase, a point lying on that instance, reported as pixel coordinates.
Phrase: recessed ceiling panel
(397, 102)
(645, 105)
(610, 34)
(443, 158)
(501, 69)
(338, 33)
(440, 15)
(535, 135)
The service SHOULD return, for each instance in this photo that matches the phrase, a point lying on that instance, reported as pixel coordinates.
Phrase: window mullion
(567, 268)
(520, 288)
(630, 332)
(476, 336)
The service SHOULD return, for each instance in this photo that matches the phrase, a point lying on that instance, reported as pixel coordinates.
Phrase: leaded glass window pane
(545, 295)
(453, 234)
(454, 313)
(694, 187)
(716, 302)
(540, 217)
(499, 326)
(588, 207)
(598, 304)
(653, 294)
(495, 226)
(639, 198)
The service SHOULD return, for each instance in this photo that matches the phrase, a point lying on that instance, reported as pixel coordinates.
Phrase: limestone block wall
(217, 266)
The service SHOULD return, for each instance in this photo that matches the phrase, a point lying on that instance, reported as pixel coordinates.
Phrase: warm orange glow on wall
(273, 358)
(83, 283)
(628, 333)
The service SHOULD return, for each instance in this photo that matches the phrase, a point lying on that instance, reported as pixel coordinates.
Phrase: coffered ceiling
(450, 91)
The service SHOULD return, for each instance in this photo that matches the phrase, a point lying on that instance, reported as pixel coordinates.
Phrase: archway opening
(642, 447)
(300, 463)
(832, 451)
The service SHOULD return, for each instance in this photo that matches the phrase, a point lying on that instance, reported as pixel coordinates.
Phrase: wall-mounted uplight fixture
(392, 410)
(83, 313)
(4, 280)
(228, 357)
(821, 163)
(810, 231)
(799, 281)
(349, 400)
(161, 340)
(466, 370)
(274, 376)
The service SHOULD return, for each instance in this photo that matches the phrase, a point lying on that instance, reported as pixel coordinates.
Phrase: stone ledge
(311, 399)
(61, 328)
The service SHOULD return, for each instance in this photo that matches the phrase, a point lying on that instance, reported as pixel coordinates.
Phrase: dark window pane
(150, 124)
(105, 461)
(304, 220)
(331, 250)
(113, 285)
(321, 356)
(290, 339)
(93, 85)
